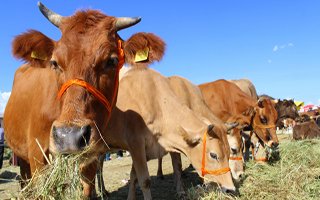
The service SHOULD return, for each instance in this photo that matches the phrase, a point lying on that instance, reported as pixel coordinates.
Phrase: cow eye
(111, 63)
(214, 156)
(234, 151)
(54, 64)
(263, 120)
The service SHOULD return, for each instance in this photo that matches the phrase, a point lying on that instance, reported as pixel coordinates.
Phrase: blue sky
(275, 44)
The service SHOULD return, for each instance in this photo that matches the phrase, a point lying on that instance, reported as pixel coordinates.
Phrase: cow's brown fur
(306, 130)
(89, 40)
(229, 103)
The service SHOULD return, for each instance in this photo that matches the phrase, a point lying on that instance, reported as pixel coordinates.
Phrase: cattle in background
(318, 121)
(155, 122)
(246, 86)
(229, 103)
(47, 104)
(286, 109)
(306, 130)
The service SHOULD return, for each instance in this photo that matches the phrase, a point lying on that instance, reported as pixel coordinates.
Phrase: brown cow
(155, 122)
(88, 54)
(230, 103)
(306, 130)
(246, 86)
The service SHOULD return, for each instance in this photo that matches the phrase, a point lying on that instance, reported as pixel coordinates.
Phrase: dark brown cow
(89, 54)
(230, 103)
(306, 130)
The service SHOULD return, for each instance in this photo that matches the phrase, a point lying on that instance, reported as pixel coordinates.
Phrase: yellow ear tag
(38, 56)
(142, 55)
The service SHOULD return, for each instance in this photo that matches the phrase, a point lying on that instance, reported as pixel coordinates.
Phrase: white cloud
(290, 44)
(283, 46)
(4, 97)
(275, 48)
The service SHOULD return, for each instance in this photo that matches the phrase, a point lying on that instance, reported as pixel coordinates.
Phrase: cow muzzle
(71, 139)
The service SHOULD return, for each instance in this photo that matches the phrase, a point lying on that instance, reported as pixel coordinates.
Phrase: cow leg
(159, 172)
(141, 170)
(101, 186)
(132, 186)
(88, 173)
(177, 171)
(25, 172)
(247, 144)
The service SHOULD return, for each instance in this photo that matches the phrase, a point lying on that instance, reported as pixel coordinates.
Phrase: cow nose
(71, 139)
(231, 191)
(275, 144)
(241, 175)
(85, 133)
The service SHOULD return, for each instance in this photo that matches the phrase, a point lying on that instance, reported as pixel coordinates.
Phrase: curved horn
(53, 17)
(231, 125)
(125, 22)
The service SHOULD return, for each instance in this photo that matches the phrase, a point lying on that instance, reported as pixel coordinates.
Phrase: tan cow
(64, 94)
(246, 86)
(230, 103)
(154, 122)
(190, 95)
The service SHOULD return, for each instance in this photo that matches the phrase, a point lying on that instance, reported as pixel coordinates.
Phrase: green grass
(295, 176)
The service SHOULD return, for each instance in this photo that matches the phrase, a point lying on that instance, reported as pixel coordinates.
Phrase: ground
(116, 175)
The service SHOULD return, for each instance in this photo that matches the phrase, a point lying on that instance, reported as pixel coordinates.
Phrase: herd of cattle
(68, 96)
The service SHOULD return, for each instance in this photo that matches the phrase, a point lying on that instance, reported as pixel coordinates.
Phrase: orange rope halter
(235, 158)
(92, 89)
(263, 159)
(204, 171)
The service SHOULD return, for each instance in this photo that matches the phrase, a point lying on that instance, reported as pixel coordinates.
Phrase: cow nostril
(85, 136)
(275, 144)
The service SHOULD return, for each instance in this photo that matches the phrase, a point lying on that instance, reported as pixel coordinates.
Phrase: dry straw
(58, 180)
(295, 176)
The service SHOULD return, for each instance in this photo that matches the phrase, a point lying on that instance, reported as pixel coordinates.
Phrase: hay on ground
(295, 176)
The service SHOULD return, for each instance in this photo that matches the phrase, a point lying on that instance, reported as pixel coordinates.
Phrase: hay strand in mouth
(45, 156)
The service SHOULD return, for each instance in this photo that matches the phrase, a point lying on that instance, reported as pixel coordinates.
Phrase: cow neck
(204, 171)
(94, 91)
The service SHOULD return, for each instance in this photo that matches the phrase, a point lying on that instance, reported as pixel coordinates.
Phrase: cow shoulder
(152, 45)
(33, 47)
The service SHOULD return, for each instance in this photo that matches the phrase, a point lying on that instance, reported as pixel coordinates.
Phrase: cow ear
(33, 47)
(230, 126)
(142, 49)
(191, 139)
(211, 132)
(260, 103)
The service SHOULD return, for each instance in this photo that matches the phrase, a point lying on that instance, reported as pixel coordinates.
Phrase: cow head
(236, 153)
(264, 122)
(86, 62)
(209, 154)
(286, 109)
